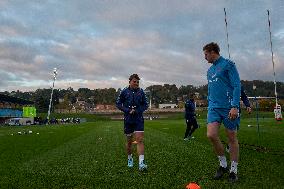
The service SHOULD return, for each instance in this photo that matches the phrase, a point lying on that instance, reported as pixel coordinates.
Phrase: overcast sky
(99, 43)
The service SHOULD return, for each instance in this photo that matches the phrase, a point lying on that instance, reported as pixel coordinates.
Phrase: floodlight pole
(272, 55)
(50, 101)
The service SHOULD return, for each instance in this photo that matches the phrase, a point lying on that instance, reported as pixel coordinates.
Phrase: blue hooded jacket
(224, 86)
(132, 99)
(189, 109)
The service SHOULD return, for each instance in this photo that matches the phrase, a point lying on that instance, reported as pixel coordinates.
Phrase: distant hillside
(167, 93)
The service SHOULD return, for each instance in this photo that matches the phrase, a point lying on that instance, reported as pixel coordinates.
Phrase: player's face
(209, 56)
(134, 83)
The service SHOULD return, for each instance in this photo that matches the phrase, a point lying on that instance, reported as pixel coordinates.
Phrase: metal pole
(50, 101)
(257, 114)
(227, 34)
(275, 91)
(149, 91)
(150, 105)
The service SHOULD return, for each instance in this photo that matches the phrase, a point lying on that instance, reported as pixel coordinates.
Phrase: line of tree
(167, 93)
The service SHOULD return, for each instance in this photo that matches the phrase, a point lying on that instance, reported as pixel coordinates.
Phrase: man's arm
(144, 104)
(236, 84)
(119, 103)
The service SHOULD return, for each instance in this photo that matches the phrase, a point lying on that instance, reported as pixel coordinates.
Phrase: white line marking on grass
(254, 125)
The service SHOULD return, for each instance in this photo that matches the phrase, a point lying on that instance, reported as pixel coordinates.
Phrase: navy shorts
(130, 128)
(221, 115)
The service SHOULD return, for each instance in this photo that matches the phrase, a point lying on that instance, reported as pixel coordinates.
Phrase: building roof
(15, 100)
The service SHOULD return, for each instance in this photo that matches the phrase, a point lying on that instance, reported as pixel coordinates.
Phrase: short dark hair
(134, 76)
(191, 95)
(212, 47)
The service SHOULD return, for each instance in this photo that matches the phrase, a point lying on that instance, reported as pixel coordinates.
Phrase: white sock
(234, 167)
(141, 158)
(223, 161)
(129, 156)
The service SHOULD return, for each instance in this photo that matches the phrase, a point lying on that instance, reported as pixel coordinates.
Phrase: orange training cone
(193, 185)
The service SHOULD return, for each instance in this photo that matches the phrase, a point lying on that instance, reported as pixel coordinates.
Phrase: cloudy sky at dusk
(99, 43)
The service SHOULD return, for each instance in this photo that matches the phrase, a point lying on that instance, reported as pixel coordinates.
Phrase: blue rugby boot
(130, 162)
(142, 166)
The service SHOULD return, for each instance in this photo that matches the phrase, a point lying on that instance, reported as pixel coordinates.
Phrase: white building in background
(161, 106)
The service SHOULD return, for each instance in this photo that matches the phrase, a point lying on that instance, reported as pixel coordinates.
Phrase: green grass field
(92, 155)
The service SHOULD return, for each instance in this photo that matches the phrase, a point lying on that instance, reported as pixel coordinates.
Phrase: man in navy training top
(190, 117)
(224, 91)
(133, 102)
(245, 100)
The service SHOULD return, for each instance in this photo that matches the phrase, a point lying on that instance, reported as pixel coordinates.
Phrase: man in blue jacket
(224, 91)
(190, 117)
(133, 102)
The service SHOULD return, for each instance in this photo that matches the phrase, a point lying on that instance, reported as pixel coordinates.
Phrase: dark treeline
(167, 93)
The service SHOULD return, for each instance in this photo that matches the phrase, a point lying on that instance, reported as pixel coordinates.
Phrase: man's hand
(233, 114)
(249, 110)
(132, 111)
